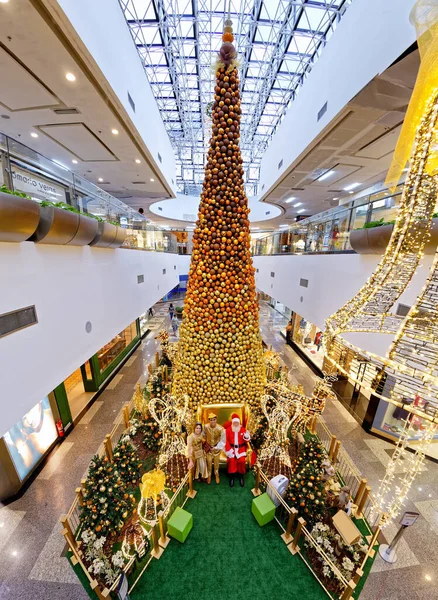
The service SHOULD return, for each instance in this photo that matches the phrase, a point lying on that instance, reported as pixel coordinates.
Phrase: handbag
(199, 454)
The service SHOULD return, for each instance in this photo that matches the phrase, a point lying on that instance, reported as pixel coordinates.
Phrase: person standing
(171, 311)
(175, 324)
(214, 435)
(237, 438)
(196, 453)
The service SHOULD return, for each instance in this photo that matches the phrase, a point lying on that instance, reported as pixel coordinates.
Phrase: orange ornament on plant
(228, 37)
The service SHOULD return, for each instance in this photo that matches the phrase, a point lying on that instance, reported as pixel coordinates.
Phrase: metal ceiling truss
(278, 42)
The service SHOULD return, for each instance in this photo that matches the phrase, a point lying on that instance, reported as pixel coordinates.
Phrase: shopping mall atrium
(219, 299)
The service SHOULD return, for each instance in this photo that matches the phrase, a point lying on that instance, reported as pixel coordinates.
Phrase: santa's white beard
(235, 428)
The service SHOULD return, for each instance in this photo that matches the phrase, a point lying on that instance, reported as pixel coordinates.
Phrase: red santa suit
(237, 438)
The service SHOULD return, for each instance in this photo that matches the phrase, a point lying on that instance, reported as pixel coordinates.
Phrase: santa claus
(236, 444)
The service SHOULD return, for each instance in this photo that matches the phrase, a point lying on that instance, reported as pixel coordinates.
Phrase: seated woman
(196, 453)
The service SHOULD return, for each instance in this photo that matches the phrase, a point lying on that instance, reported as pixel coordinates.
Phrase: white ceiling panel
(20, 89)
(79, 140)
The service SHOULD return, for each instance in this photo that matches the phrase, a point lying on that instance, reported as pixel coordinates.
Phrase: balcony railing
(329, 231)
(25, 170)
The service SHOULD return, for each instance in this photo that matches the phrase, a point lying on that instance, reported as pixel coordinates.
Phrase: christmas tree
(127, 462)
(306, 490)
(156, 388)
(152, 435)
(220, 356)
(106, 503)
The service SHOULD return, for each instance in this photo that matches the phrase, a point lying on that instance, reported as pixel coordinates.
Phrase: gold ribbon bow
(152, 484)
(424, 16)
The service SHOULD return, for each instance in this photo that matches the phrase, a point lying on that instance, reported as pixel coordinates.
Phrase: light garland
(412, 360)
(171, 414)
(394, 489)
(134, 541)
(281, 412)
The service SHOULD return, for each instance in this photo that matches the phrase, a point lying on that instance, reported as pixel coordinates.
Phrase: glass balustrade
(41, 179)
(329, 231)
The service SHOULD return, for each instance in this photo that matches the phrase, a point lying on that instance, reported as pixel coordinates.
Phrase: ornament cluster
(220, 351)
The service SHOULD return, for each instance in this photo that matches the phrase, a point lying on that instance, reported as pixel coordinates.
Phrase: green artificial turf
(227, 554)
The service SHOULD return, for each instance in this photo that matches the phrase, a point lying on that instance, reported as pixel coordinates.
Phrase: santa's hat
(235, 418)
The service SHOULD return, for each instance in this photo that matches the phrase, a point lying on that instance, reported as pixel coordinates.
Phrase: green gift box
(263, 509)
(180, 524)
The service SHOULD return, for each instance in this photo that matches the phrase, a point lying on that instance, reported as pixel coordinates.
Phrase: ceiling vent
(17, 319)
(139, 183)
(66, 111)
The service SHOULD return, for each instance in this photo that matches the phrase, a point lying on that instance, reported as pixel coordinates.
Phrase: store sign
(30, 438)
(30, 184)
(409, 518)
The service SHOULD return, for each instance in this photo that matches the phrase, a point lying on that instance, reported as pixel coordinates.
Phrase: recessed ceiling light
(3, 1)
(297, 204)
(34, 135)
(335, 198)
(325, 175)
(351, 186)
(291, 199)
(100, 179)
(115, 131)
(74, 161)
(152, 180)
(301, 210)
(428, 578)
(285, 225)
(70, 77)
(14, 553)
(351, 192)
(138, 161)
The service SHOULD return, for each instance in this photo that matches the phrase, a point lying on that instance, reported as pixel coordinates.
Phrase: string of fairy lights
(401, 473)
(411, 363)
(172, 415)
(408, 375)
(281, 412)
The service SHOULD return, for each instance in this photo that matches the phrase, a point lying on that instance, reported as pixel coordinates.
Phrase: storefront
(25, 445)
(76, 392)
(389, 420)
(306, 339)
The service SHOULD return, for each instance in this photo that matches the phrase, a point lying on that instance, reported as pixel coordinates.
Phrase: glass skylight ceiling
(278, 42)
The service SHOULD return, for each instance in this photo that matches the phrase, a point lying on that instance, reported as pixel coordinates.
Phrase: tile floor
(31, 546)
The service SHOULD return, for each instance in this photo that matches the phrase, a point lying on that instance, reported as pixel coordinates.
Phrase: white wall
(102, 27)
(332, 281)
(184, 263)
(189, 205)
(69, 286)
(371, 35)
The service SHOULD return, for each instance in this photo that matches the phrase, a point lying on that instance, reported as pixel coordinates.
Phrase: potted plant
(19, 216)
(109, 235)
(374, 237)
(63, 224)
(179, 311)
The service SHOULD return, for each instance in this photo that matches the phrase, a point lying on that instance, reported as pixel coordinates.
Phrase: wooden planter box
(62, 227)
(375, 239)
(19, 218)
(108, 236)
